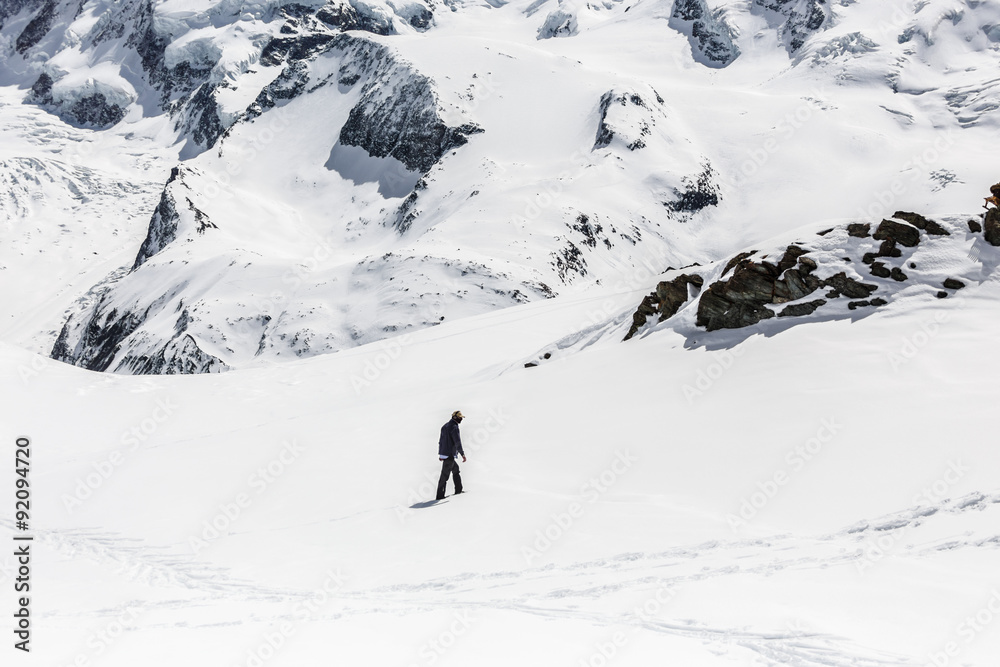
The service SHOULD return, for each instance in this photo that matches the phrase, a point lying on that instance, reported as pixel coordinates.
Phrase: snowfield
(823, 496)
(254, 253)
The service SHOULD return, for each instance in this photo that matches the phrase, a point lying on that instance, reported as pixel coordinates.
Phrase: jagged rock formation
(665, 301)
(397, 115)
(558, 23)
(743, 299)
(627, 116)
(748, 287)
(711, 37)
(991, 227)
(799, 19)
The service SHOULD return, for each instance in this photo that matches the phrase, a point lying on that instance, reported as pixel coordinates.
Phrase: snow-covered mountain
(710, 279)
(338, 173)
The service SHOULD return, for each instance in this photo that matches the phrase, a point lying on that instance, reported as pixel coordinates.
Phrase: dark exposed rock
(825, 231)
(869, 257)
(162, 225)
(41, 90)
(743, 299)
(37, 28)
(605, 131)
(878, 301)
(665, 301)
(736, 260)
(849, 287)
(920, 222)
(405, 124)
(530, 364)
(803, 18)
(710, 36)
(859, 230)
(296, 49)
(942, 295)
(858, 304)
(700, 193)
(879, 269)
(953, 283)
(346, 17)
(799, 309)
(95, 111)
(975, 227)
(888, 249)
(897, 231)
(991, 227)
(569, 260)
(897, 274)
(101, 339)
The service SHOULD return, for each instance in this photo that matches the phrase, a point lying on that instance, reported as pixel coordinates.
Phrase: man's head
(457, 416)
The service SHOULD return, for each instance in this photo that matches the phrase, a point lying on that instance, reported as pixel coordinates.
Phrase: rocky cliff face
(710, 35)
(796, 20)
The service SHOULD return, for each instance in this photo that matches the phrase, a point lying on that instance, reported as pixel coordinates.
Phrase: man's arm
(458, 441)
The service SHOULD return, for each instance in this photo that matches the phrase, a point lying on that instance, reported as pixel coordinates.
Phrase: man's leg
(445, 473)
(457, 476)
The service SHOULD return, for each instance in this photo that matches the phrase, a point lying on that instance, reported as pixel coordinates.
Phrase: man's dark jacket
(450, 443)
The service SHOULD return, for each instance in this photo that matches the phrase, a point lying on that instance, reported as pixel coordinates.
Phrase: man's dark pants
(449, 466)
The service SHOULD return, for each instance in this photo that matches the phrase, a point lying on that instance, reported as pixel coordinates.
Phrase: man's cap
(457, 414)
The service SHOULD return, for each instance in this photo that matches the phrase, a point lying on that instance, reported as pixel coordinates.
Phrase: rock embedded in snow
(897, 232)
(800, 19)
(991, 227)
(711, 37)
(668, 298)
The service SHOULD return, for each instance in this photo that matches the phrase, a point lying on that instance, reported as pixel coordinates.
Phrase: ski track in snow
(564, 592)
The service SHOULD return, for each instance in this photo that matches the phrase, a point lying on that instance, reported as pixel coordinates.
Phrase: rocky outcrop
(627, 118)
(37, 28)
(162, 228)
(742, 300)
(710, 36)
(398, 114)
(108, 335)
(668, 298)
(93, 110)
(699, 193)
(799, 19)
(920, 222)
(558, 23)
(897, 232)
(991, 227)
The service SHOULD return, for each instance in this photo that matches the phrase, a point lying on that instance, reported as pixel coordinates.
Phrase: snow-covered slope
(347, 172)
(825, 497)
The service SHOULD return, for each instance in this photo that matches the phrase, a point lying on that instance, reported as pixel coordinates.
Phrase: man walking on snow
(450, 446)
